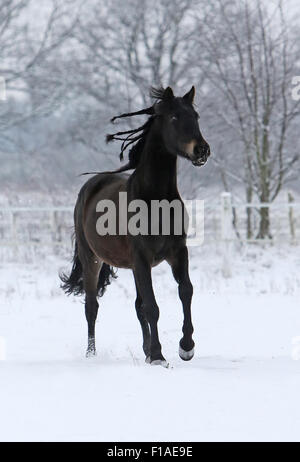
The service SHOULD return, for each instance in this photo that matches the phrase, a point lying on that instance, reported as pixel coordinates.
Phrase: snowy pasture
(243, 383)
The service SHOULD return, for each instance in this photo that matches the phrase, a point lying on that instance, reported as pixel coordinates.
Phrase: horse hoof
(160, 362)
(186, 355)
(157, 362)
(91, 354)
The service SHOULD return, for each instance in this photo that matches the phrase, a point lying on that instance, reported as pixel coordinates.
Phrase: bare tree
(123, 48)
(139, 43)
(253, 54)
(27, 64)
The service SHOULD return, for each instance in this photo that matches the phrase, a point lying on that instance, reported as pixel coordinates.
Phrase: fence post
(13, 225)
(226, 232)
(291, 217)
(56, 227)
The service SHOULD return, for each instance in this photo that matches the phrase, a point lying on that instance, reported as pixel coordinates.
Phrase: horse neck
(157, 169)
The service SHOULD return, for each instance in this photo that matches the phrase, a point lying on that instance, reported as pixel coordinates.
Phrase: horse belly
(112, 249)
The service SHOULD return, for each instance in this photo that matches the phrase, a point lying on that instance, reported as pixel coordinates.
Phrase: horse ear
(168, 93)
(190, 95)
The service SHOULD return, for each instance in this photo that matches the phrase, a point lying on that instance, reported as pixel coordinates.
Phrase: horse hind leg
(90, 281)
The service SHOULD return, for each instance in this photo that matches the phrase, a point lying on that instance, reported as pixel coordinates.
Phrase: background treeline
(70, 65)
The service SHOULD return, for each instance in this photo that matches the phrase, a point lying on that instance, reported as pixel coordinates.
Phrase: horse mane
(137, 136)
(157, 93)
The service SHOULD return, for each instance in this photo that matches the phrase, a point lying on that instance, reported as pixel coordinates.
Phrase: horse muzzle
(200, 156)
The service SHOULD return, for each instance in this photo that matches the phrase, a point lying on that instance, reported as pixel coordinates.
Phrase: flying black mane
(136, 136)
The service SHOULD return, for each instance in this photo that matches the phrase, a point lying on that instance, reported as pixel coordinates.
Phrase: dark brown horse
(172, 130)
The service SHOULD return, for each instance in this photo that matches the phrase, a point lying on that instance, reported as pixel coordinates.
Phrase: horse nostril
(196, 150)
(202, 150)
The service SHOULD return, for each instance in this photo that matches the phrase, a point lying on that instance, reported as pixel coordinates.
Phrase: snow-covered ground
(241, 385)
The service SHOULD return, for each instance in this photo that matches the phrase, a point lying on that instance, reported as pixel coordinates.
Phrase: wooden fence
(224, 220)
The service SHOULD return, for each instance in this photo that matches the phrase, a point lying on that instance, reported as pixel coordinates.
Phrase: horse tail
(106, 274)
(73, 284)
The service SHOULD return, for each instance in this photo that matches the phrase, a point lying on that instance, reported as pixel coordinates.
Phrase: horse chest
(156, 248)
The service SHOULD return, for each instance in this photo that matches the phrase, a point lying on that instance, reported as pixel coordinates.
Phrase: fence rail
(224, 220)
(21, 226)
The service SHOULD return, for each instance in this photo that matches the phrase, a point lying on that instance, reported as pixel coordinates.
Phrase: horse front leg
(142, 275)
(143, 322)
(179, 263)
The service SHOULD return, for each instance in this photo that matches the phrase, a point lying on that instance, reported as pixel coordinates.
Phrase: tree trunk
(265, 174)
(249, 212)
(264, 224)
